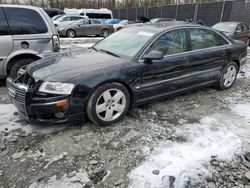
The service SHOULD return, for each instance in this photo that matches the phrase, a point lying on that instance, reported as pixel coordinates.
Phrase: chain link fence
(209, 13)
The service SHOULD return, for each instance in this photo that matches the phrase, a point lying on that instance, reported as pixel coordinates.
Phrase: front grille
(19, 94)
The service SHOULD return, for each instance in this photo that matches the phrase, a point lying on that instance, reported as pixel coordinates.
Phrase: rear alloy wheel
(228, 76)
(105, 32)
(71, 33)
(108, 104)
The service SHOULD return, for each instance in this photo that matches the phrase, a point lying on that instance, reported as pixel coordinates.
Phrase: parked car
(102, 13)
(54, 18)
(134, 66)
(234, 30)
(125, 23)
(112, 21)
(86, 27)
(66, 20)
(53, 11)
(26, 34)
(157, 20)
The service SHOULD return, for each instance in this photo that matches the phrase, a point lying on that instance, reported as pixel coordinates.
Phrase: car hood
(69, 65)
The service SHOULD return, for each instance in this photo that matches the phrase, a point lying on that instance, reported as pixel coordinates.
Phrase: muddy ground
(88, 155)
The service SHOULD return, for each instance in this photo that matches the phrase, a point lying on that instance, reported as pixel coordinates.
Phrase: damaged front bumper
(47, 109)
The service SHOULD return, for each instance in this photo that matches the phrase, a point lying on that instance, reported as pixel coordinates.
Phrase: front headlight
(56, 88)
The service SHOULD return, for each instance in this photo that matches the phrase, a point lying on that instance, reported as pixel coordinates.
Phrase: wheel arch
(130, 91)
(237, 63)
(11, 62)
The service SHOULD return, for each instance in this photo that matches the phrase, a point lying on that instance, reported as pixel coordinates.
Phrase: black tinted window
(75, 18)
(97, 15)
(4, 28)
(201, 39)
(25, 21)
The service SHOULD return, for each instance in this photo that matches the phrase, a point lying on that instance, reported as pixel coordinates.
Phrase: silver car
(26, 35)
(86, 27)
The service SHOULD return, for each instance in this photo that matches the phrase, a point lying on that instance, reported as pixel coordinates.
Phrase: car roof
(232, 22)
(164, 26)
(20, 6)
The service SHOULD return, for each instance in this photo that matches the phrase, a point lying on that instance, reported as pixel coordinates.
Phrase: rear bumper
(44, 110)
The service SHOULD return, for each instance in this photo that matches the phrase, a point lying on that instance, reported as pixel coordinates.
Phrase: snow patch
(8, 121)
(182, 160)
(242, 110)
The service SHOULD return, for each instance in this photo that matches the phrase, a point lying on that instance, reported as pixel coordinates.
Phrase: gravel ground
(198, 139)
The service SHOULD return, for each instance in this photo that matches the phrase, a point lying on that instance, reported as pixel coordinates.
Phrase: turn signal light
(61, 103)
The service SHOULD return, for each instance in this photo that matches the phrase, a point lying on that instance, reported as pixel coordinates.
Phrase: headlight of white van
(56, 88)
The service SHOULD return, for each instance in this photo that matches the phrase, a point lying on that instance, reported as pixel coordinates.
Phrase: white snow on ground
(78, 180)
(221, 135)
(9, 122)
(242, 110)
(182, 160)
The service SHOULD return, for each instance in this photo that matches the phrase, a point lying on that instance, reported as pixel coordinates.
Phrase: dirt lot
(199, 139)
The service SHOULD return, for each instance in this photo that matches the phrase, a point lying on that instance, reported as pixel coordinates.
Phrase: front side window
(172, 42)
(201, 39)
(24, 21)
(239, 28)
(4, 28)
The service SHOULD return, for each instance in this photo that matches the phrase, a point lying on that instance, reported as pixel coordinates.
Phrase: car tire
(108, 104)
(105, 32)
(71, 33)
(228, 76)
(19, 67)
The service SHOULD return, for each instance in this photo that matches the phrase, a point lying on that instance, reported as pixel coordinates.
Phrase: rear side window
(24, 21)
(4, 28)
(201, 39)
(95, 22)
(245, 27)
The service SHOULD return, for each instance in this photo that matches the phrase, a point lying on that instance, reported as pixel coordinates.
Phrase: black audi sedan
(134, 66)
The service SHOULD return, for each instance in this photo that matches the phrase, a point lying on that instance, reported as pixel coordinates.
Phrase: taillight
(56, 43)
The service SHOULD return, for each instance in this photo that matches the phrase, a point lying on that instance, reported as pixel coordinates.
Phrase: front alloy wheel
(108, 104)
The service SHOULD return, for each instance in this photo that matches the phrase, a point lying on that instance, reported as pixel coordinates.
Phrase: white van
(102, 13)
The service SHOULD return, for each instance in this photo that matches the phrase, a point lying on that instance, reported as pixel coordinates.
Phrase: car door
(245, 30)
(239, 35)
(82, 27)
(166, 76)
(6, 41)
(207, 56)
(95, 27)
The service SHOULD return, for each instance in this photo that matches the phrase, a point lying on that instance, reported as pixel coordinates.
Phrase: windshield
(225, 27)
(125, 43)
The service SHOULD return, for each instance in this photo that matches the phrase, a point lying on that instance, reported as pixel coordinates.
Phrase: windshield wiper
(94, 48)
(108, 52)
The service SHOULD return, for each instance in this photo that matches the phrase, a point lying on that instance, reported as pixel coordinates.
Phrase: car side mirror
(153, 55)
